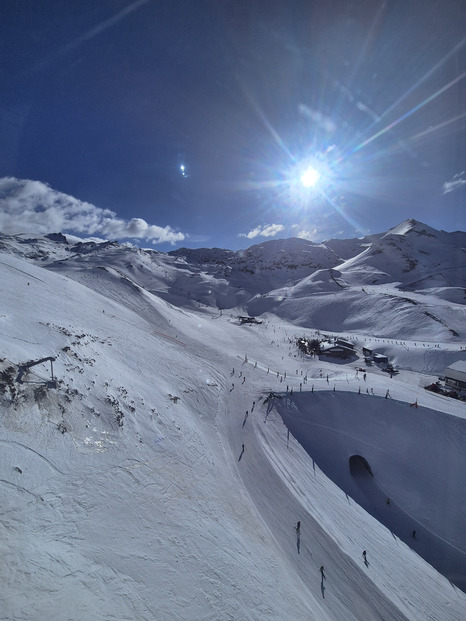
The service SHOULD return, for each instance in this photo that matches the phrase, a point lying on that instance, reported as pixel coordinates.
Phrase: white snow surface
(125, 490)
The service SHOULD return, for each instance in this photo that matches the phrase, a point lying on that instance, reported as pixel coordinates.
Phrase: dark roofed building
(455, 375)
(247, 319)
(338, 351)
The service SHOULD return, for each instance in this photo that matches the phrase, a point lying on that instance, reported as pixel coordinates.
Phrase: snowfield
(161, 472)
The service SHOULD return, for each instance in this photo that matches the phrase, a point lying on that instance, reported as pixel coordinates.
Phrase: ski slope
(125, 490)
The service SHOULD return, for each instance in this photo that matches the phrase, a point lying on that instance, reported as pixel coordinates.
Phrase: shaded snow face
(415, 467)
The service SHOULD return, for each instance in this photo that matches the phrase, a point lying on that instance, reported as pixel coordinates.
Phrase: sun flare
(310, 177)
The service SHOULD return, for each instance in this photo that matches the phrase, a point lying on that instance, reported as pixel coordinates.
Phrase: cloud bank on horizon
(28, 206)
(307, 234)
(269, 230)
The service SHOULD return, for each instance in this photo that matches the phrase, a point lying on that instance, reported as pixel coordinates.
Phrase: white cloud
(309, 235)
(34, 207)
(269, 230)
(458, 181)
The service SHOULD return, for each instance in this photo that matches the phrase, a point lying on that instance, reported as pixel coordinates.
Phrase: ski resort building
(455, 375)
(246, 319)
(336, 350)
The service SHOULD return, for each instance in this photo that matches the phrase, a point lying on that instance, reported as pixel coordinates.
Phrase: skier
(364, 556)
(298, 528)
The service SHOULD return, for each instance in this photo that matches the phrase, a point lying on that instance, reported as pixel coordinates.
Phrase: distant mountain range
(412, 276)
(411, 256)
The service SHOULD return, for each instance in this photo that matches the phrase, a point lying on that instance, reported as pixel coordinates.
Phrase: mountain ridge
(411, 255)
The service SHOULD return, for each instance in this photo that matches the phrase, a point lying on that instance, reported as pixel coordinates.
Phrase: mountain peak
(411, 226)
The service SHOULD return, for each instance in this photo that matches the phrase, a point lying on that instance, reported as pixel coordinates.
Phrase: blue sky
(103, 103)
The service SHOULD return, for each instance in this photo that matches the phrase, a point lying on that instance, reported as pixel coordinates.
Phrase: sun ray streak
(255, 106)
(430, 130)
(407, 114)
(420, 81)
(90, 34)
(364, 50)
(341, 211)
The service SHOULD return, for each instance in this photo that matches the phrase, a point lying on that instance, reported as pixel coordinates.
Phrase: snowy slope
(118, 517)
(262, 267)
(380, 311)
(125, 490)
(412, 254)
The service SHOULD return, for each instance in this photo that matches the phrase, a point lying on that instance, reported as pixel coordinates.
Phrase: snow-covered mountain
(412, 254)
(263, 267)
(156, 456)
(401, 271)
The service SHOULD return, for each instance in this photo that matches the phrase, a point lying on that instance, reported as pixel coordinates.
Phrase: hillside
(155, 476)
(411, 254)
(411, 258)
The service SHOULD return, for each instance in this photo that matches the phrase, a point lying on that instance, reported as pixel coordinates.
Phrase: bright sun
(310, 177)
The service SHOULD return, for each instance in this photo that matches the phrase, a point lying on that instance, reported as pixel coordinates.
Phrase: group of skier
(321, 568)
